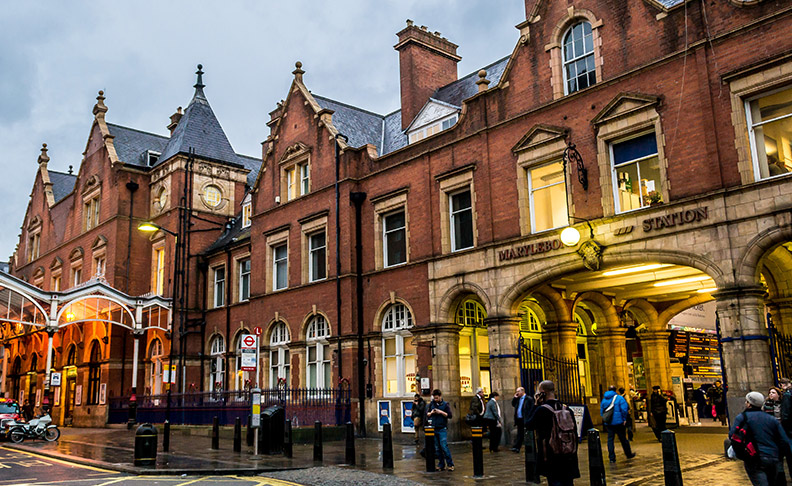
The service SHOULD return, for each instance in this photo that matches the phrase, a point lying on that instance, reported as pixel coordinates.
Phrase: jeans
(619, 430)
(764, 474)
(441, 448)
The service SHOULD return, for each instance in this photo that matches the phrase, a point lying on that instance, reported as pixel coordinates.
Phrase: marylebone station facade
(609, 204)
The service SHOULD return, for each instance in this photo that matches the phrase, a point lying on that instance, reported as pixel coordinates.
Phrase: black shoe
(631, 456)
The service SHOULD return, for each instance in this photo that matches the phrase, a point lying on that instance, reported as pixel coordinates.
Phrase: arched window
(583, 356)
(474, 368)
(279, 354)
(94, 373)
(530, 328)
(578, 54)
(155, 367)
(398, 351)
(318, 368)
(217, 364)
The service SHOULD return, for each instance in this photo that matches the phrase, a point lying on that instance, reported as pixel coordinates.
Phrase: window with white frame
(279, 354)
(247, 211)
(769, 118)
(280, 267)
(318, 368)
(155, 367)
(317, 256)
(219, 286)
(76, 275)
(398, 351)
(474, 368)
(217, 364)
(244, 279)
(394, 238)
(578, 52)
(297, 180)
(34, 246)
(158, 280)
(429, 130)
(99, 266)
(461, 210)
(547, 192)
(636, 172)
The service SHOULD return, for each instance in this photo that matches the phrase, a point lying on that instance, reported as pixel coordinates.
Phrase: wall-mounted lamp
(571, 155)
(590, 250)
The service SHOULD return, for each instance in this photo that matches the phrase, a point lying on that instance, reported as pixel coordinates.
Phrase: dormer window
(432, 128)
(151, 157)
(247, 211)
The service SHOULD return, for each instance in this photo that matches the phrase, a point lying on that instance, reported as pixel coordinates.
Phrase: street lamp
(149, 227)
(590, 250)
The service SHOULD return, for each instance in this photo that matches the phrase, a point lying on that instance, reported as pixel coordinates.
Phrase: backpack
(607, 416)
(563, 436)
(743, 444)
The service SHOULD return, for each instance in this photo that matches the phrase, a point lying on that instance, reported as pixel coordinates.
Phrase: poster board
(38, 397)
(384, 413)
(102, 393)
(78, 395)
(407, 424)
(56, 397)
(578, 411)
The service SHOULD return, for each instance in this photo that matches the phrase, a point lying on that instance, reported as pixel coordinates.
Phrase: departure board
(698, 350)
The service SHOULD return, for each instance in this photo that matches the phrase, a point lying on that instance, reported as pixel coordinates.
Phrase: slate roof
(670, 3)
(230, 236)
(253, 165)
(465, 87)
(131, 145)
(62, 184)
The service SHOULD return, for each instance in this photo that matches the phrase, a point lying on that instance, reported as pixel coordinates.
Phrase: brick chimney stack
(427, 61)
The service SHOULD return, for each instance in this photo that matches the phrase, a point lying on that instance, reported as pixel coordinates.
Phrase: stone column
(612, 345)
(504, 335)
(566, 334)
(444, 337)
(656, 359)
(745, 343)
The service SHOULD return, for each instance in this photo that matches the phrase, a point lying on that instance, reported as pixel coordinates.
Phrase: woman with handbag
(615, 411)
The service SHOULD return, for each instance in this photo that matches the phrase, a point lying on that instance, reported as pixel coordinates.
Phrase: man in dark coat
(717, 396)
(659, 411)
(560, 470)
(477, 406)
(523, 405)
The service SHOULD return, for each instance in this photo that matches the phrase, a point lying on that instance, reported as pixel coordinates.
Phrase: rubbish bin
(146, 445)
(273, 421)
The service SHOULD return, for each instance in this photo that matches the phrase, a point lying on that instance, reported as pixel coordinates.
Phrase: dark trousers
(560, 482)
(764, 474)
(621, 431)
(518, 442)
(494, 434)
(659, 424)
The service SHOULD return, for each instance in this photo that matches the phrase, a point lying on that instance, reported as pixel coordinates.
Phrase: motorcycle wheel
(17, 436)
(52, 434)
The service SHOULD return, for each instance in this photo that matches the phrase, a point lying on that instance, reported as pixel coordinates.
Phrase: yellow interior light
(679, 281)
(69, 316)
(148, 227)
(570, 236)
(639, 268)
(707, 290)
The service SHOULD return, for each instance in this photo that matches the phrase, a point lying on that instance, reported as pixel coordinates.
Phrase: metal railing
(565, 373)
(781, 350)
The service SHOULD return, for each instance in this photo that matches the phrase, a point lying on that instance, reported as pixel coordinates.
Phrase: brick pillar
(504, 334)
(656, 359)
(746, 349)
(614, 357)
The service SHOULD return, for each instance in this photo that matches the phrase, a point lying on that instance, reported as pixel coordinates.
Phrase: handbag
(607, 416)
(471, 419)
(714, 412)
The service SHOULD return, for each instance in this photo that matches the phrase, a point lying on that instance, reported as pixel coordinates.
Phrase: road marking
(66, 463)
(112, 481)
(193, 481)
(275, 482)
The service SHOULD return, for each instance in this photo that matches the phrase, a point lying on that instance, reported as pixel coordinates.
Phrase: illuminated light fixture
(70, 316)
(148, 227)
(640, 268)
(678, 281)
(707, 290)
(570, 236)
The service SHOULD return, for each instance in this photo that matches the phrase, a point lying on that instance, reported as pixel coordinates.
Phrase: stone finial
(410, 23)
(100, 108)
(482, 82)
(298, 73)
(43, 158)
(71, 170)
(199, 83)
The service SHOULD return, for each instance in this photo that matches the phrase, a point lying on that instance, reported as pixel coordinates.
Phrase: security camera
(277, 199)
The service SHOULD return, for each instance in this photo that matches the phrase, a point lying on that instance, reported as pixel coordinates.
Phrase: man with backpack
(759, 440)
(556, 437)
(615, 413)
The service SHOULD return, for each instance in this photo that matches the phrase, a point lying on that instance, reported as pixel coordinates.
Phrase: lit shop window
(546, 186)
(474, 370)
(770, 132)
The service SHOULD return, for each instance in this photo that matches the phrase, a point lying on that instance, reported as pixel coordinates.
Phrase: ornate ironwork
(571, 155)
(565, 373)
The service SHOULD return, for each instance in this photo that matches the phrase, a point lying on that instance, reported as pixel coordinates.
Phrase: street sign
(249, 341)
(55, 379)
(248, 351)
(255, 419)
(257, 330)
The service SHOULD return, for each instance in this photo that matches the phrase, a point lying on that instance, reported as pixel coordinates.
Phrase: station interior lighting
(707, 290)
(635, 269)
(679, 281)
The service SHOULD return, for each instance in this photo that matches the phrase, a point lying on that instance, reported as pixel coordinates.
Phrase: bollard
(287, 439)
(215, 433)
(350, 444)
(317, 441)
(671, 470)
(429, 448)
(531, 474)
(249, 437)
(477, 434)
(166, 436)
(238, 435)
(596, 464)
(387, 447)
(146, 446)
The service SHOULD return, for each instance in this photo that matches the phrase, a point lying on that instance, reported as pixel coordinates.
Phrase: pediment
(625, 104)
(99, 242)
(540, 135)
(294, 150)
(76, 254)
(56, 263)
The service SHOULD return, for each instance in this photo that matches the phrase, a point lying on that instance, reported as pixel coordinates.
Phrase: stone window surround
(156, 245)
(299, 158)
(274, 240)
(99, 254)
(38, 277)
(313, 342)
(224, 198)
(617, 128)
(211, 281)
(383, 205)
(56, 272)
(450, 183)
(91, 196)
(573, 16)
(236, 290)
(308, 228)
(742, 88)
(34, 239)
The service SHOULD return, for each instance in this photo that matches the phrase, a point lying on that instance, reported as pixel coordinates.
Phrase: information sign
(255, 419)
(55, 378)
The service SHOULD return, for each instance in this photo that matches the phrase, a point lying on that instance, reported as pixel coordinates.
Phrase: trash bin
(273, 420)
(146, 445)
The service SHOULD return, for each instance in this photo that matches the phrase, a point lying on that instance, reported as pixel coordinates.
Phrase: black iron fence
(781, 350)
(303, 406)
(565, 373)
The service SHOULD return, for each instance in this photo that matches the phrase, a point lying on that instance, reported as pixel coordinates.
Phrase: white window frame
(279, 340)
(242, 276)
(217, 350)
(395, 326)
(433, 128)
(752, 134)
(452, 214)
(275, 262)
(219, 297)
(76, 275)
(311, 250)
(316, 335)
(159, 270)
(565, 62)
(385, 233)
(614, 170)
(247, 211)
(531, 190)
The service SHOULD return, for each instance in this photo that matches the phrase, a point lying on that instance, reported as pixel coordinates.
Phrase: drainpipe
(357, 199)
(228, 314)
(338, 250)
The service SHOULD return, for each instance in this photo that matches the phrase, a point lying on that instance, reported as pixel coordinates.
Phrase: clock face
(213, 196)
(161, 199)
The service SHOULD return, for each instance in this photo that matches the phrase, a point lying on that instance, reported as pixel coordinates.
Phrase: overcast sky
(55, 56)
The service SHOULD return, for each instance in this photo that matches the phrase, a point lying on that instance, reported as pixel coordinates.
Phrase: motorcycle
(38, 428)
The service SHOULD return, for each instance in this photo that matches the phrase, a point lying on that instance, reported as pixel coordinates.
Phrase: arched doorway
(94, 373)
(70, 370)
(154, 375)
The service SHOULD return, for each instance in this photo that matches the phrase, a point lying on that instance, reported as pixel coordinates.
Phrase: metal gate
(781, 351)
(536, 367)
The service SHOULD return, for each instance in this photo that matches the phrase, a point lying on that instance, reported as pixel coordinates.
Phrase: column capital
(652, 335)
(436, 328)
(740, 291)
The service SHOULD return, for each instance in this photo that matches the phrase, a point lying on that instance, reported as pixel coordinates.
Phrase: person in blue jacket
(616, 406)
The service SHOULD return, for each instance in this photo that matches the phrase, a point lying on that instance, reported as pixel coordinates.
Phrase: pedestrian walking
(615, 412)
(658, 411)
(772, 403)
(766, 435)
(523, 406)
(475, 416)
(786, 414)
(630, 425)
(418, 414)
(717, 397)
(27, 411)
(438, 412)
(492, 418)
(556, 436)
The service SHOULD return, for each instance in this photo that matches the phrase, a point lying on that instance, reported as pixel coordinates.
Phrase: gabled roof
(230, 236)
(131, 145)
(62, 184)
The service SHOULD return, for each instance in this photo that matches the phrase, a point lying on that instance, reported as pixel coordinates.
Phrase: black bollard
(387, 447)
(215, 433)
(287, 439)
(671, 470)
(317, 441)
(350, 444)
(477, 434)
(238, 435)
(531, 474)
(166, 436)
(596, 464)
(145, 446)
(249, 436)
(429, 448)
